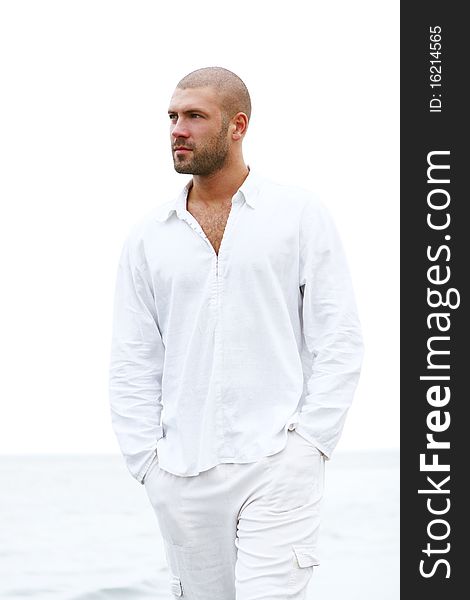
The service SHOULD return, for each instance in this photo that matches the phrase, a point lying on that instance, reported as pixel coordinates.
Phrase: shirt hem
(228, 460)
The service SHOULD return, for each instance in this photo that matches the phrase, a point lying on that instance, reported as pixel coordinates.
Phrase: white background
(84, 153)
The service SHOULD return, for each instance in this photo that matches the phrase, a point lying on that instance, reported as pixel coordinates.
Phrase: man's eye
(172, 117)
(195, 115)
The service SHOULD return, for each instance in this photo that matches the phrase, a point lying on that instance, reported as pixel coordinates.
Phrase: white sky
(84, 153)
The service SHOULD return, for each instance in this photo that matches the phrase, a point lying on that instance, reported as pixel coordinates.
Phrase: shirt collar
(249, 188)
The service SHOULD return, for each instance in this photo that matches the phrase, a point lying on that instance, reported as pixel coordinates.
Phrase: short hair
(235, 96)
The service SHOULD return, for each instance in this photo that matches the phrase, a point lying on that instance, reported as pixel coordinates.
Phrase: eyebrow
(188, 111)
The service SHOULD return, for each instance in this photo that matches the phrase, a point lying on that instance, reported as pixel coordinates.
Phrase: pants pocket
(176, 587)
(150, 468)
(295, 476)
(305, 555)
(314, 449)
(304, 558)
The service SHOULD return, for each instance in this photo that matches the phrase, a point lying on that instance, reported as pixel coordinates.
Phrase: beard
(206, 160)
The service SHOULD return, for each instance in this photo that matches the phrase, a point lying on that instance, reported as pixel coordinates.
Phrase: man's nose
(179, 129)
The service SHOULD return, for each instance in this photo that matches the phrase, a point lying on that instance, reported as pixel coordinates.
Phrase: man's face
(198, 131)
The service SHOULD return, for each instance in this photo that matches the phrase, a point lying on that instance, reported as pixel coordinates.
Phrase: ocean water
(81, 528)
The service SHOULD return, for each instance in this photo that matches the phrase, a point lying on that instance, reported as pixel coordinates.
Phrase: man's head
(209, 113)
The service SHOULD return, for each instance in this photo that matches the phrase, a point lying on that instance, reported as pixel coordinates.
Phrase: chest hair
(212, 221)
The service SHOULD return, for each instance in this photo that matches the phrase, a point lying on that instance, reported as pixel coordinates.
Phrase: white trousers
(242, 531)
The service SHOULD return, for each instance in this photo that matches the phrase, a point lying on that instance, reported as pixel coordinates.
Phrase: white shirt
(213, 357)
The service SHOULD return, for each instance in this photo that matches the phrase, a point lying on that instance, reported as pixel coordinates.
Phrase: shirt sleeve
(331, 330)
(136, 365)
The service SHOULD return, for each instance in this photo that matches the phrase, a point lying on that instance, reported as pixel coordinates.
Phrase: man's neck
(212, 190)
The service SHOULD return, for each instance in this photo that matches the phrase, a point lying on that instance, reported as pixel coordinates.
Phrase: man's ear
(239, 125)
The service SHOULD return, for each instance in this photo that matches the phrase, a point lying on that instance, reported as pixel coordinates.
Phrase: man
(236, 352)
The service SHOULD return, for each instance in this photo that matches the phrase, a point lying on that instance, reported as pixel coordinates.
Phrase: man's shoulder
(143, 223)
(145, 228)
(146, 223)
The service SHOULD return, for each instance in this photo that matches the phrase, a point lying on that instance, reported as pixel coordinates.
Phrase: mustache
(181, 144)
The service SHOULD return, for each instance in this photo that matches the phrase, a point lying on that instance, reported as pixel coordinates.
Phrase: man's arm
(331, 330)
(136, 365)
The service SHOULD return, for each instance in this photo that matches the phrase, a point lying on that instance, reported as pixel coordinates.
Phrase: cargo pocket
(306, 555)
(176, 587)
(304, 559)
